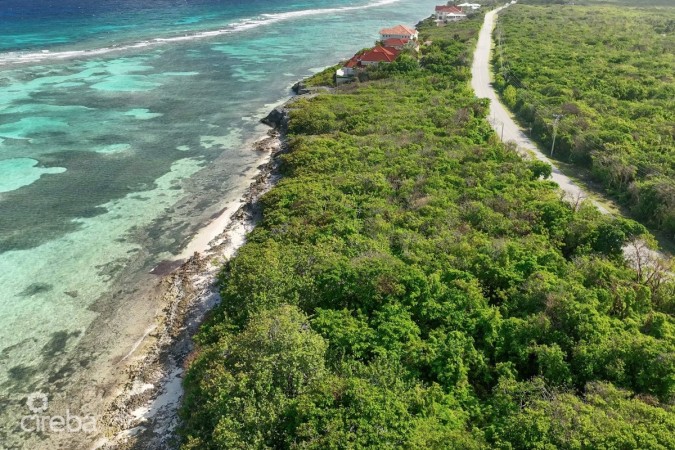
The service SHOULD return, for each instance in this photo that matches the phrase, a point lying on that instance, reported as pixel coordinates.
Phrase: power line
(543, 111)
(555, 130)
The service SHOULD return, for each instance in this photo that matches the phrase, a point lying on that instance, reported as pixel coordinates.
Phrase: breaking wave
(235, 27)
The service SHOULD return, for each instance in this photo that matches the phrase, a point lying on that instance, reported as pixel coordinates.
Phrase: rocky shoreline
(144, 413)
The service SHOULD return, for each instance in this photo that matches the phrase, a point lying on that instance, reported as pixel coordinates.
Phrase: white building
(469, 6)
(449, 14)
(398, 32)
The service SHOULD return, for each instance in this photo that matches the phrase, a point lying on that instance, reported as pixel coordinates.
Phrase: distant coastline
(424, 286)
(146, 407)
(143, 413)
(211, 134)
(20, 57)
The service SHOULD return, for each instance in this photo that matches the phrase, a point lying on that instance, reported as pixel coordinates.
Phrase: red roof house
(370, 57)
(448, 9)
(398, 32)
(398, 44)
(449, 13)
(378, 55)
(352, 63)
(349, 69)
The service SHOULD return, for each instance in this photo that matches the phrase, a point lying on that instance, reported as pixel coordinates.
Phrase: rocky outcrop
(300, 88)
(277, 118)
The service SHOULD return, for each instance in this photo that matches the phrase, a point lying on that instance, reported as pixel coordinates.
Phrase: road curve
(501, 119)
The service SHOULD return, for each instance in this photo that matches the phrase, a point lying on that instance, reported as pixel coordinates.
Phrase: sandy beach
(142, 413)
(137, 348)
(159, 149)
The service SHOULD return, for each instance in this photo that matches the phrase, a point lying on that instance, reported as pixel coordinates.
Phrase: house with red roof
(398, 32)
(394, 40)
(399, 44)
(378, 55)
(447, 14)
(349, 69)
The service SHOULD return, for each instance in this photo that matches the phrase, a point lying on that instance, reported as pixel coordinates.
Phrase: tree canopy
(414, 283)
(609, 71)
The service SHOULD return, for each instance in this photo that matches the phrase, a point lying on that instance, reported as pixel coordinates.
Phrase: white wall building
(449, 14)
(398, 32)
(469, 6)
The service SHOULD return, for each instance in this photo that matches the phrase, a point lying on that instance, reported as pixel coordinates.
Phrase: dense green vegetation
(640, 3)
(610, 71)
(415, 284)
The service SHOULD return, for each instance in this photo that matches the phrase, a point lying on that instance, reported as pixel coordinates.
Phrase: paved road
(501, 119)
(637, 255)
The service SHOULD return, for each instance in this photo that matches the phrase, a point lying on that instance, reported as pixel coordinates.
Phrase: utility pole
(500, 47)
(501, 51)
(557, 118)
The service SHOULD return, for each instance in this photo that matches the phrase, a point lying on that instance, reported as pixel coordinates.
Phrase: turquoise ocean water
(123, 127)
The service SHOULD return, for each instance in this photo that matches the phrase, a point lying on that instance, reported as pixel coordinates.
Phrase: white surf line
(139, 342)
(205, 237)
(235, 27)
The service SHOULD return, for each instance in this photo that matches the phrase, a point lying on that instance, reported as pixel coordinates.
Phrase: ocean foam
(242, 25)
